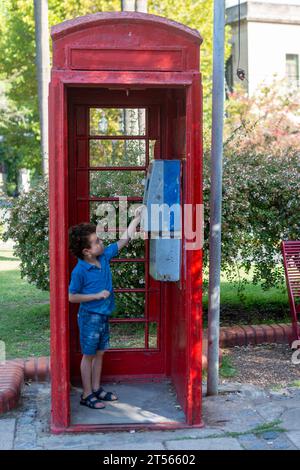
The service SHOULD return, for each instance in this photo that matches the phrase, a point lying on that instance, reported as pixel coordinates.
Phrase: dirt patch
(266, 365)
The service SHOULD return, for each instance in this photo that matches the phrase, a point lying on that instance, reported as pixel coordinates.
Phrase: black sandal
(108, 396)
(90, 403)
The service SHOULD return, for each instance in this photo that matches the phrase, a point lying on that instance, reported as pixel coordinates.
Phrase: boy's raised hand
(130, 231)
(138, 212)
(102, 295)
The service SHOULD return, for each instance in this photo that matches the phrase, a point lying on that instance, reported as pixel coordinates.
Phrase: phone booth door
(112, 138)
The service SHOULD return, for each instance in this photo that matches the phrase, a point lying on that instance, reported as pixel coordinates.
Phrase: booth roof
(89, 21)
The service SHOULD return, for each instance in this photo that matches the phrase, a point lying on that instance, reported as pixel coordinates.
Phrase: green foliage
(19, 146)
(19, 117)
(261, 184)
(19, 127)
(28, 227)
(17, 52)
(125, 275)
(267, 120)
(260, 208)
(261, 160)
(61, 10)
(197, 14)
(109, 183)
(227, 370)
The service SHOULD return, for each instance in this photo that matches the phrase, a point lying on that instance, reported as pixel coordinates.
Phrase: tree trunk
(43, 73)
(128, 5)
(134, 5)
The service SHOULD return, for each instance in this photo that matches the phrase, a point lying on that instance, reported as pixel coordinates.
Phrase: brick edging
(11, 381)
(14, 372)
(244, 335)
(37, 369)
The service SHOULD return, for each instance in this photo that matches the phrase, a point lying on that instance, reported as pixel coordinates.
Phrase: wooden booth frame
(188, 385)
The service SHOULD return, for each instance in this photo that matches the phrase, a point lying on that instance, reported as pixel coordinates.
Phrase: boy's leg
(86, 376)
(88, 342)
(97, 369)
(96, 375)
(103, 345)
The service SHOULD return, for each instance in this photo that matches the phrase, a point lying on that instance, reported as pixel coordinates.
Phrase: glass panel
(114, 121)
(116, 183)
(292, 69)
(129, 305)
(151, 150)
(127, 335)
(136, 247)
(117, 152)
(152, 336)
(109, 210)
(128, 275)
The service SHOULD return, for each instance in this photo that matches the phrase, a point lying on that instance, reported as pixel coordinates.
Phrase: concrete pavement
(240, 417)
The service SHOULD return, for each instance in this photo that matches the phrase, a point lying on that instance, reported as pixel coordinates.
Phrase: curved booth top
(99, 42)
(113, 18)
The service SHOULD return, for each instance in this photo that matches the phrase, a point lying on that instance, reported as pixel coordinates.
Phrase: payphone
(161, 219)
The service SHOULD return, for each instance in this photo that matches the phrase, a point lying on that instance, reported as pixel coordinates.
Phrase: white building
(269, 43)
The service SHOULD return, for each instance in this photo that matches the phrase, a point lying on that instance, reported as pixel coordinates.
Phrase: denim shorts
(94, 331)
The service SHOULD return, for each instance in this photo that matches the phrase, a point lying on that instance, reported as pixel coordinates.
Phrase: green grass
(296, 383)
(14, 290)
(267, 427)
(227, 370)
(256, 305)
(273, 426)
(24, 314)
(25, 330)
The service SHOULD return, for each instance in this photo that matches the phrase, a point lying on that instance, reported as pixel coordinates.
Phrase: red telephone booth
(110, 68)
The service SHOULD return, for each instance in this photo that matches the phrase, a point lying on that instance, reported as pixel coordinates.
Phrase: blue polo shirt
(87, 278)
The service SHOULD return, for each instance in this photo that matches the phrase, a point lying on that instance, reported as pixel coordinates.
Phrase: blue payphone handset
(161, 218)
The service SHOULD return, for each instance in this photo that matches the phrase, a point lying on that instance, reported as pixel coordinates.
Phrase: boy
(91, 286)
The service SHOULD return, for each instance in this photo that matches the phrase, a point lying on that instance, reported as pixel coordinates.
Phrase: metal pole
(43, 72)
(134, 5)
(216, 199)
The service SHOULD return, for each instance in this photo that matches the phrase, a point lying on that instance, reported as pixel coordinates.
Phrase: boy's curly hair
(79, 238)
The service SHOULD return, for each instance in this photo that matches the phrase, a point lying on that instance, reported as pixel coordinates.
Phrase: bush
(267, 121)
(260, 208)
(28, 227)
(261, 184)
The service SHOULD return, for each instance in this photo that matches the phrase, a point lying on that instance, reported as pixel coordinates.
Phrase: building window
(292, 69)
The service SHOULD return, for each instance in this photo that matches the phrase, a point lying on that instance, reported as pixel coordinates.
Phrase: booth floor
(153, 402)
